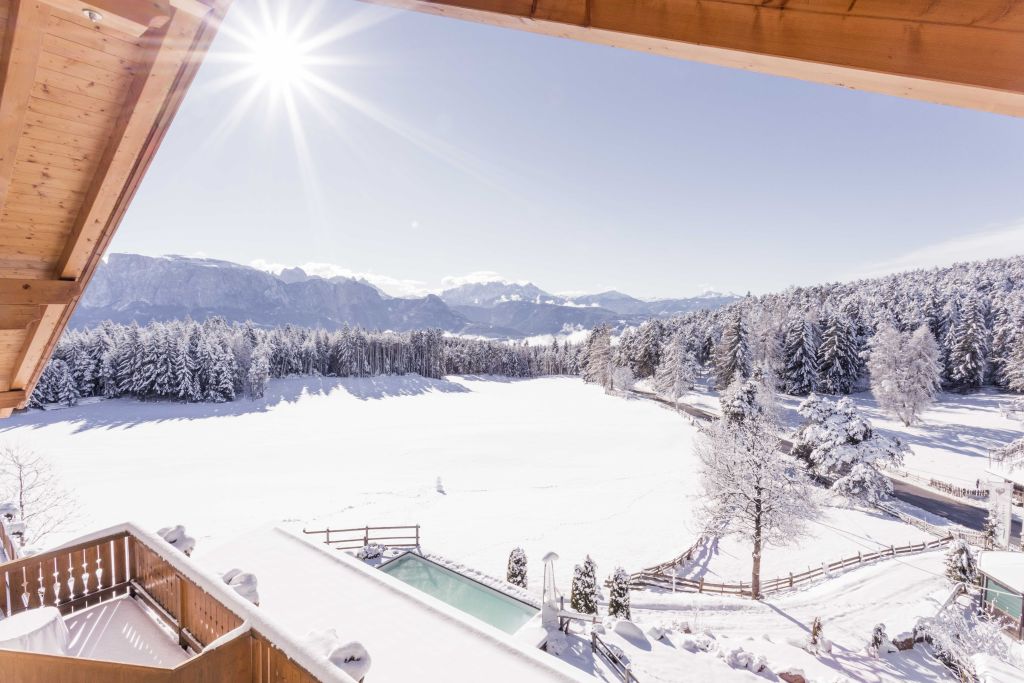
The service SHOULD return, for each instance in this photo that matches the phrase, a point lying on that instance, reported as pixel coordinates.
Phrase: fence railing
(647, 579)
(966, 492)
(620, 668)
(120, 564)
(358, 537)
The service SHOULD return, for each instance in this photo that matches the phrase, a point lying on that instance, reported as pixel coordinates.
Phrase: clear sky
(430, 149)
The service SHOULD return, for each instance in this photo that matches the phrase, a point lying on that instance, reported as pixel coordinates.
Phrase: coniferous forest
(802, 340)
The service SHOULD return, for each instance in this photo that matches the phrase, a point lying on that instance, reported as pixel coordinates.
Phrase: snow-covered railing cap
(315, 662)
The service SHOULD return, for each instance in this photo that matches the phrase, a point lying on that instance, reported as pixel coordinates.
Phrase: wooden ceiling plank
(81, 86)
(71, 113)
(85, 70)
(55, 93)
(96, 38)
(130, 17)
(60, 46)
(149, 92)
(19, 55)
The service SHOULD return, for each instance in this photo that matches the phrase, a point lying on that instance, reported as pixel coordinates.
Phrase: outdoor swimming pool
(463, 593)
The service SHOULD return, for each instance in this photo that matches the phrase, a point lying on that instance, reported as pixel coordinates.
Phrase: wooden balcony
(226, 637)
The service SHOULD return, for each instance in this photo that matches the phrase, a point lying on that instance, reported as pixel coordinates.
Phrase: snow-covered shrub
(516, 574)
(961, 564)
(700, 642)
(816, 641)
(960, 632)
(371, 551)
(439, 486)
(878, 640)
(738, 658)
(906, 370)
(583, 597)
(618, 597)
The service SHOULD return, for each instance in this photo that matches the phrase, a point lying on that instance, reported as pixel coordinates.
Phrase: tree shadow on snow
(127, 412)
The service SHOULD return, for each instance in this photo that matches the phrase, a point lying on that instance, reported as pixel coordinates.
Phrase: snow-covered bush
(961, 564)
(516, 574)
(959, 632)
(738, 658)
(817, 643)
(583, 597)
(371, 551)
(618, 597)
(879, 640)
(701, 642)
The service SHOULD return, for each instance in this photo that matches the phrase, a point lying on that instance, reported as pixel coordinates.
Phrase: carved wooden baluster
(71, 578)
(41, 586)
(24, 587)
(85, 573)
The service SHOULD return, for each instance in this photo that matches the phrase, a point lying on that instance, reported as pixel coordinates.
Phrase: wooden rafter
(967, 54)
(38, 292)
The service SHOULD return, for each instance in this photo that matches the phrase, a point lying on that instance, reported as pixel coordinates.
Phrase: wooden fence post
(328, 541)
(366, 536)
(893, 549)
(700, 588)
(417, 535)
(791, 579)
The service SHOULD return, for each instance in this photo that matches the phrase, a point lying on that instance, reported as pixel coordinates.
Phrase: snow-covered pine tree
(129, 360)
(647, 349)
(969, 348)
(677, 371)
(583, 597)
(618, 595)
(800, 356)
(836, 441)
(961, 564)
(838, 361)
(732, 354)
(516, 574)
(63, 387)
(749, 488)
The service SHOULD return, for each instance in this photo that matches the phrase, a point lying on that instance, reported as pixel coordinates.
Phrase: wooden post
(328, 541)
(700, 588)
(860, 558)
(791, 579)
(417, 535)
(893, 549)
(182, 608)
(366, 536)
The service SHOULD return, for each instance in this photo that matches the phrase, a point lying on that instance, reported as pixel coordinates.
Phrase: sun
(279, 60)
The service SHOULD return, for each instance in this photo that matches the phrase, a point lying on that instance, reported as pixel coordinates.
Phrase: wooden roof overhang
(84, 104)
(967, 53)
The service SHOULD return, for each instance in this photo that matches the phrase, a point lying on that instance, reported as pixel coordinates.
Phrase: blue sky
(458, 150)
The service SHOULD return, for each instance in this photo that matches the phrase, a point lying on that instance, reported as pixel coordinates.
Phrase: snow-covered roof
(306, 587)
(1004, 566)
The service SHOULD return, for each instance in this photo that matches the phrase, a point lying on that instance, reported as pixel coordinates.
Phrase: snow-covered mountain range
(130, 287)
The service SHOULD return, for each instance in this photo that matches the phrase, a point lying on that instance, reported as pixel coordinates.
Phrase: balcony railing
(129, 562)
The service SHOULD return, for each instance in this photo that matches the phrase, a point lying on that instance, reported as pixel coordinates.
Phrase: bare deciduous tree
(28, 481)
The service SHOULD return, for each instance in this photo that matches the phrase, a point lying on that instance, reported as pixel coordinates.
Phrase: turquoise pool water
(461, 592)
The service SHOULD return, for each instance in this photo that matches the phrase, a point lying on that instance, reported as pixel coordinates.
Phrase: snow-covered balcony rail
(231, 640)
(359, 537)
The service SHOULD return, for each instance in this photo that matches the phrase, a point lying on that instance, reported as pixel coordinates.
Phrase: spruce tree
(800, 357)
(583, 597)
(967, 354)
(618, 596)
(838, 361)
(516, 574)
(732, 354)
(961, 564)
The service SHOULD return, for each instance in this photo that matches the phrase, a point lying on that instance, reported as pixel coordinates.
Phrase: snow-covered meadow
(548, 464)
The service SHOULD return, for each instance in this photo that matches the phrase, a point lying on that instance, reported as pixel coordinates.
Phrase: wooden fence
(359, 537)
(620, 668)
(82, 575)
(646, 579)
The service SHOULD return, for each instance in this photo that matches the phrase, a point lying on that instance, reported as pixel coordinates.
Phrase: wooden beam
(963, 54)
(13, 399)
(19, 317)
(146, 98)
(131, 17)
(19, 55)
(15, 291)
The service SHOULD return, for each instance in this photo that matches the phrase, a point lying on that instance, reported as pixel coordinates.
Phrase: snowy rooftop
(308, 588)
(1004, 566)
